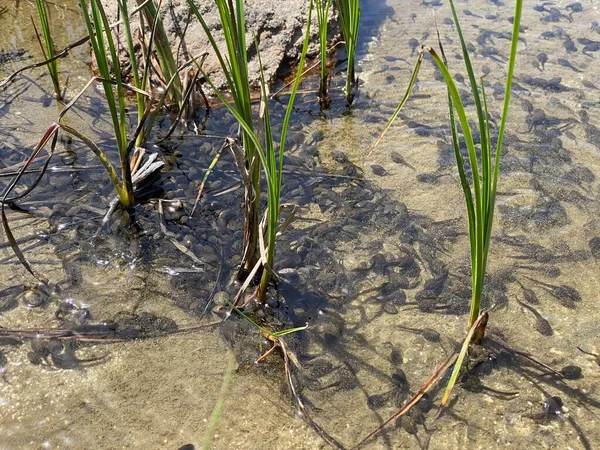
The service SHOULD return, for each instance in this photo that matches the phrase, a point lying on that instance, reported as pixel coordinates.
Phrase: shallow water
(365, 263)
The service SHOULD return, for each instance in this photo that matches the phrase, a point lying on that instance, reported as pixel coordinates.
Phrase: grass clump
(479, 191)
(349, 13)
(259, 148)
(323, 7)
(48, 45)
(481, 198)
(105, 54)
(235, 69)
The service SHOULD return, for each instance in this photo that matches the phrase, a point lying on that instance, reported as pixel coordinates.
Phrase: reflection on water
(376, 261)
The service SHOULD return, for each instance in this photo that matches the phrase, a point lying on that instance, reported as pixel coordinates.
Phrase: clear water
(359, 258)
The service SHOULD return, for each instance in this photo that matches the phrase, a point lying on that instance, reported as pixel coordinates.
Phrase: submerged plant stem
(215, 417)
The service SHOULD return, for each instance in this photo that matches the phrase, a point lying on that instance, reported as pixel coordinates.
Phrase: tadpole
(399, 159)
(595, 355)
(565, 294)
(551, 407)
(571, 372)
(542, 325)
(529, 295)
(428, 333)
(409, 425)
(395, 355)
(472, 383)
(543, 59)
(418, 416)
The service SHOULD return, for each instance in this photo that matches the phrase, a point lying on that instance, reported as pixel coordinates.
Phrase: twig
(427, 386)
(305, 414)
(64, 52)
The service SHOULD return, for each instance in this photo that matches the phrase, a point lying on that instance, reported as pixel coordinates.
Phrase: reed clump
(349, 15)
(47, 46)
(479, 191)
(323, 8)
(258, 148)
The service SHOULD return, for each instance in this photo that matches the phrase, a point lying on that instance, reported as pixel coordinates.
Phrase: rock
(278, 26)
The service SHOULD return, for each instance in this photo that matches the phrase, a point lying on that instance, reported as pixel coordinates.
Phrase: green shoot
(349, 13)
(166, 61)
(101, 36)
(481, 199)
(235, 69)
(266, 331)
(48, 47)
(262, 143)
(323, 7)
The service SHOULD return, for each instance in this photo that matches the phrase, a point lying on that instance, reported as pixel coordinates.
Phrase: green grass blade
(233, 110)
(222, 62)
(112, 173)
(49, 51)
(163, 50)
(481, 320)
(509, 78)
(478, 228)
(292, 99)
(137, 81)
(464, 182)
(485, 147)
(215, 416)
(411, 83)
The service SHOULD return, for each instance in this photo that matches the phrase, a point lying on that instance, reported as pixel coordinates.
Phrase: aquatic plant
(235, 69)
(257, 140)
(101, 37)
(481, 198)
(349, 13)
(323, 7)
(48, 46)
(166, 61)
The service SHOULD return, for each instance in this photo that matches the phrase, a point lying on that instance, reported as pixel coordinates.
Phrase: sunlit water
(367, 264)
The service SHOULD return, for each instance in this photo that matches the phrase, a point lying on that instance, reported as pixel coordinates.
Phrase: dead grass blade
(427, 386)
(300, 404)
